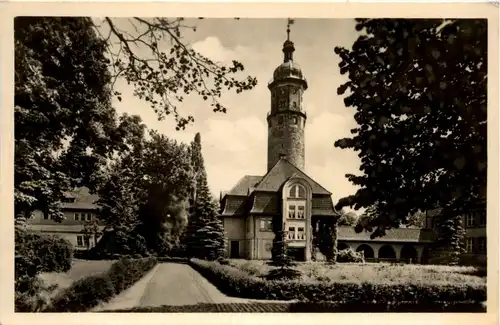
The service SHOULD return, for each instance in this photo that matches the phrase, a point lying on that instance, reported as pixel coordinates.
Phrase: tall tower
(287, 119)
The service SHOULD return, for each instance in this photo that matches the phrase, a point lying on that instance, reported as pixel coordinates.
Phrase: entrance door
(235, 249)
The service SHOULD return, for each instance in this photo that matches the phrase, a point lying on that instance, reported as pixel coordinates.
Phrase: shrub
(84, 293)
(237, 283)
(223, 261)
(283, 273)
(349, 256)
(36, 253)
(92, 290)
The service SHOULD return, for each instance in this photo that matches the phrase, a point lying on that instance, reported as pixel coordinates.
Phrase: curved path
(170, 284)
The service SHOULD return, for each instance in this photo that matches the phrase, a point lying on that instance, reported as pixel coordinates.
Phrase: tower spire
(289, 22)
(288, 47)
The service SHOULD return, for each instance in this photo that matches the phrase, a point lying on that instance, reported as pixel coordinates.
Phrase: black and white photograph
(194, 164)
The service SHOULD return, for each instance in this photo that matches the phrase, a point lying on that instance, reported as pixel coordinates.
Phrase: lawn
(79, 269)
(372, 272)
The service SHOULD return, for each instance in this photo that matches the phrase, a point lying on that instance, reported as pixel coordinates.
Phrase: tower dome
(288, 70)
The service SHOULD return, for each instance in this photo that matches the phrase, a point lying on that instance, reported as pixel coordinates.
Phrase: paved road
(179, 284)
(171, 284)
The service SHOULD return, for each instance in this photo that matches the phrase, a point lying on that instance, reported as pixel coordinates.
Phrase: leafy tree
(205, 237)
(171, 66)
(66, 69)
(348, 218)
(419, 90)
(63, 117)
(417, 220)
(91, 229)
(167, 183)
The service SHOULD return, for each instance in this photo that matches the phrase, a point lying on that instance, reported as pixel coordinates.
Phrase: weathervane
(290, 22)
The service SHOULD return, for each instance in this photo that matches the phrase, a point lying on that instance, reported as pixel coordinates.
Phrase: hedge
(302, 307)
(90, 291)
(236, 283)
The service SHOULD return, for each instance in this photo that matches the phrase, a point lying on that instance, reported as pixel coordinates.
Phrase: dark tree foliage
(418, 88)
(163, 214)
(144, 194)
(205, 237)
(64, 123)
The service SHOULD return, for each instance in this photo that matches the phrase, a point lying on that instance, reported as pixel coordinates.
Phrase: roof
(265, 203)
(234, 206)
(244, 184)
(60, 228)
(84, 200)
(269, 203)
(322, 206)
(393, 235)
(281, 172)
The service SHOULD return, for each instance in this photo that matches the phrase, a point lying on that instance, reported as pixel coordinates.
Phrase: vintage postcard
(336, 160)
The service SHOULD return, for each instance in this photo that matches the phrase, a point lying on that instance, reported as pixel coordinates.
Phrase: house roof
(59, 228)
(281, 172)
(244, 184)
(265, 203)
(234, 206)
(84, 200)
(322, 206)
(392, 235)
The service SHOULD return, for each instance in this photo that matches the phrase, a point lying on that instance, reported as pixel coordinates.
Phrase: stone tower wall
(286, 137)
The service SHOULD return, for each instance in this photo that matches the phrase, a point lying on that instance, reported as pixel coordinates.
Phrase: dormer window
(69, 200)
(297, 191)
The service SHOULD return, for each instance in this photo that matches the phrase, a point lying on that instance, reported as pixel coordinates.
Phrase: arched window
(297, 191)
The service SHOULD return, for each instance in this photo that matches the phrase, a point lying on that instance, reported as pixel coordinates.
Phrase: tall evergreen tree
(205, 237)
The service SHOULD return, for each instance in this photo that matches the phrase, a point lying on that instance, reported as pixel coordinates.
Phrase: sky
(235, 144)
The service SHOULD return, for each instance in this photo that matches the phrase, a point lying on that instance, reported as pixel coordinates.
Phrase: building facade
(79, 207)
(285, 198)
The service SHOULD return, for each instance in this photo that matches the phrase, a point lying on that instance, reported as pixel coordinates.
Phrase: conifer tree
(449, 244)
(205, 236)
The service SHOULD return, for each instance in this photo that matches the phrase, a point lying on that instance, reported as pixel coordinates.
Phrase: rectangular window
(291, 212)
(79, 240)
(291, 233)
(87, 241)
(482, 218)
(301, 214)
(77, 216)
(469, 245)
(481, 245)
(470, 219)
(89, 216)
(266, 224)
(301, 233)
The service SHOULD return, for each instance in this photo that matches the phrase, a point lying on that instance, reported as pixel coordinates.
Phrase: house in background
(474, 223)
(79, 207)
